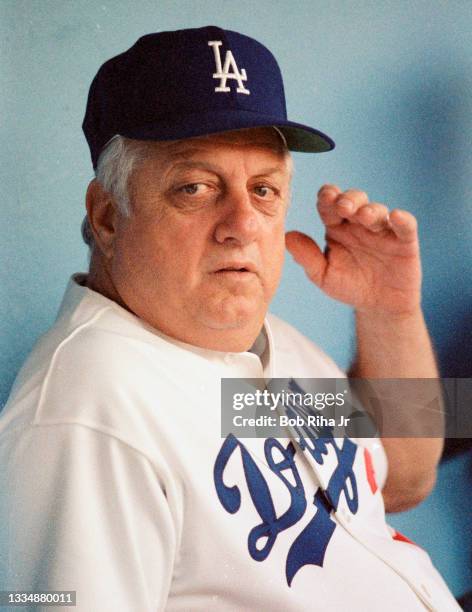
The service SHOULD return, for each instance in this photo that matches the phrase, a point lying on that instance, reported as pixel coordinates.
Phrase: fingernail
(327, 194)
(326, 188)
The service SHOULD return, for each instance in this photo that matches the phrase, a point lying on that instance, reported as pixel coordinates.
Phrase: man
(120, 485)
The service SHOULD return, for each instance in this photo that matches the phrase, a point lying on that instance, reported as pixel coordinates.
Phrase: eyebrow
(217, 169)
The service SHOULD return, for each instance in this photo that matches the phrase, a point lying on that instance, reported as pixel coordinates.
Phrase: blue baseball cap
(189, 83)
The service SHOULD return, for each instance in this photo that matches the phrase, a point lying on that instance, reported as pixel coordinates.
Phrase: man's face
(201, 254)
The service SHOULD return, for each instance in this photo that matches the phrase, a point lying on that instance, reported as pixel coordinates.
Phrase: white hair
(114, 168)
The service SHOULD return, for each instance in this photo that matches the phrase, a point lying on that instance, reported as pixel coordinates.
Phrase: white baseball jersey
(116, 483)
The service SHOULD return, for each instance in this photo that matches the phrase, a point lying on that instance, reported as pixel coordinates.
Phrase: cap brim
(299, 137)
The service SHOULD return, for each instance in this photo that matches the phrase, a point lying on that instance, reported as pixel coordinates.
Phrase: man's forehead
(263, 138)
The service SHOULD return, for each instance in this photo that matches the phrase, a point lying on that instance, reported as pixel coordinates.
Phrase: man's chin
(236, 313)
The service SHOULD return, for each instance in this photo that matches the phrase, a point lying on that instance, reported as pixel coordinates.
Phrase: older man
(120, 486)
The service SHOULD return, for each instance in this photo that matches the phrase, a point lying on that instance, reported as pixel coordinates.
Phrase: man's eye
(193, 188)
(263, 191)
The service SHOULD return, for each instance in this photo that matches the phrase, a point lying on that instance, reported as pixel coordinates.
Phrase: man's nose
(239, 220)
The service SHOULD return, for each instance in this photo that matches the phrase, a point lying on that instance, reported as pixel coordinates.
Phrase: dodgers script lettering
(309, 547)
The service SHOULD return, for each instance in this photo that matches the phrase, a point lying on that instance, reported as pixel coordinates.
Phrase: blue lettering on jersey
(316, 441)
(230, 497)
(310, 546)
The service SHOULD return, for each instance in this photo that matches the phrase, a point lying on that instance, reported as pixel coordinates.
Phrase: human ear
(102, 214)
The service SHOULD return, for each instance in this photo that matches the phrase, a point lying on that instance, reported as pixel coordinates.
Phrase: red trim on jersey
(402, 538)
(369, 468)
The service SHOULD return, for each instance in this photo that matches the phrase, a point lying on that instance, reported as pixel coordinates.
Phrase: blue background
(391, 82)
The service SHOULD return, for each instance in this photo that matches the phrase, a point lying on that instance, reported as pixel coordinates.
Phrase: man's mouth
(231, 269)
(236, 270)
(241, 266)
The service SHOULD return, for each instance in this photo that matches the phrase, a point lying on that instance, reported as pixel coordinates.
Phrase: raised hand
(371, 260)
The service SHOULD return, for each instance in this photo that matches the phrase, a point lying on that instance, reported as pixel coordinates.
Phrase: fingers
(404, 225)
(373, 217)
(307, 253)
(327, 197)
(336, 207)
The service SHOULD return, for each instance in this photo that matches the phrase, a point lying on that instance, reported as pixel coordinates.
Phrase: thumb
(308, 254)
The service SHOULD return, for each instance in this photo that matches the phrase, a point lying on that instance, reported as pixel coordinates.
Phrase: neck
(99, 279)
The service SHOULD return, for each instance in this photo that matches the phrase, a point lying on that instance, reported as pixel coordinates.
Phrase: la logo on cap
(223, 72)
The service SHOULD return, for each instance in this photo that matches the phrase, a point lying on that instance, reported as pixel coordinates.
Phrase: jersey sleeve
(82, 511)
